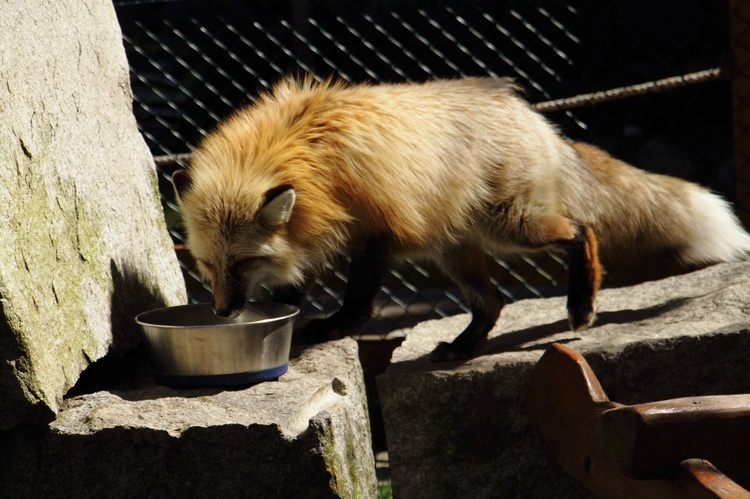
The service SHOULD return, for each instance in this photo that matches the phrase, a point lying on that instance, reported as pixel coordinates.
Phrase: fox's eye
(207, 268)
(242, 265)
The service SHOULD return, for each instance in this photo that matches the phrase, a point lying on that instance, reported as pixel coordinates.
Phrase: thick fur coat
(446, 170)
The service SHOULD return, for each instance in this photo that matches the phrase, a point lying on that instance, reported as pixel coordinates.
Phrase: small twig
(168, 159)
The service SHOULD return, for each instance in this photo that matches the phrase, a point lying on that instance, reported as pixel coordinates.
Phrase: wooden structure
(667, 449)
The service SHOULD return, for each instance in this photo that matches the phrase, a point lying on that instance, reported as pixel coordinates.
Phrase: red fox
(446, 170)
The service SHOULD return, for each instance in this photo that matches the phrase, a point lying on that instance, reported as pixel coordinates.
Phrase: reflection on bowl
(191, 346)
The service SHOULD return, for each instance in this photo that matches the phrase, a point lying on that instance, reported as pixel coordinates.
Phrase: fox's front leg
(585, 278)
(368, 266)
(292, 294)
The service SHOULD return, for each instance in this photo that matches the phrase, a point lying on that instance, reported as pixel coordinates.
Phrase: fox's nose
(223, 312)
(229, 309)
(228, 312)
(228, 300)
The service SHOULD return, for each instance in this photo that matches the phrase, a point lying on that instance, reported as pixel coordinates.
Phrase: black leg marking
(292, 295)
(585, 278)
(468, 267)
(467, 343)
(365, 276)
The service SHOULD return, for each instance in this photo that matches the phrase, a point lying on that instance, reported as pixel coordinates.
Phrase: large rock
(83, 245)
(459, 430)
(306, 435)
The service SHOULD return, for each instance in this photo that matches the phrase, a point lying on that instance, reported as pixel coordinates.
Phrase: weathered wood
(562, 397)
(699, 479)
(648, 440)
(565, 401)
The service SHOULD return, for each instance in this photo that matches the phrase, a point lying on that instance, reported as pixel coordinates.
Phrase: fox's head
(237, 239)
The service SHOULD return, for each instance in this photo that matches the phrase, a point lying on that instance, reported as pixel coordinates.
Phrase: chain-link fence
(194, 62)
(739, 71)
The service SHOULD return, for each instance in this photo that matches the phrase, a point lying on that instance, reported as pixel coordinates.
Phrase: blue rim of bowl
(218, 380)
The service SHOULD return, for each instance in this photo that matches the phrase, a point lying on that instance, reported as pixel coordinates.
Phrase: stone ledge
(305, 435)
(458, 429)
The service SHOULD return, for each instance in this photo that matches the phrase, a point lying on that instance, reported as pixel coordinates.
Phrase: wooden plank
(700, 479)
(649, 440)
(563, 397)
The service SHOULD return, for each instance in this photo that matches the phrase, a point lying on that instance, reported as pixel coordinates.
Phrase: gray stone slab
(305, 435)
(459, 430)
(83, 244)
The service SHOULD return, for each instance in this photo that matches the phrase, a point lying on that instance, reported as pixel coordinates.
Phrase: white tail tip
(717, 235)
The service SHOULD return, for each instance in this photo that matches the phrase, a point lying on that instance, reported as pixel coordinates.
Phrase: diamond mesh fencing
(194, 62)
(739, 67)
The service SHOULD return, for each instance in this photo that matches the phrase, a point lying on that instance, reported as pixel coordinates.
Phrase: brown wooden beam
(565, 402)
(649, 440)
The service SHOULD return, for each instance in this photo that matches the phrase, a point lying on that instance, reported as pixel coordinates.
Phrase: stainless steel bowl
(191, 346)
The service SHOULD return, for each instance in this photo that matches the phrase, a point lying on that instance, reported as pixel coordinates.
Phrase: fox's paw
(581, 318)
(446, 352)
(335, 327)
(317, 331)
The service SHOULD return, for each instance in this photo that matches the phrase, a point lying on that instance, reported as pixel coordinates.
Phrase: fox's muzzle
(229, 298)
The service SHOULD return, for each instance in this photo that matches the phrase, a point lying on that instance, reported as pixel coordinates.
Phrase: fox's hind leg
(467, 266)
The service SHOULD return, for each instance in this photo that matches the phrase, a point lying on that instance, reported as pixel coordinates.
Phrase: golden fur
(422, 162)
(385, 156)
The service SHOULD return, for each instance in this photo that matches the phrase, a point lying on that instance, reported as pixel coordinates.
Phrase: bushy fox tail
(715, 233)
(633, 212)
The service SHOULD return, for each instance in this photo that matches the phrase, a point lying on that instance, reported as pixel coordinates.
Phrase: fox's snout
(227, 312)
(228, 300)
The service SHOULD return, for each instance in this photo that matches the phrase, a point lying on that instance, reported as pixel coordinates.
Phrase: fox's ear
(278, 205)
(181, 181)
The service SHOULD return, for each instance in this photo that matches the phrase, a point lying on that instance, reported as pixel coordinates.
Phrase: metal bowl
(191, 346)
